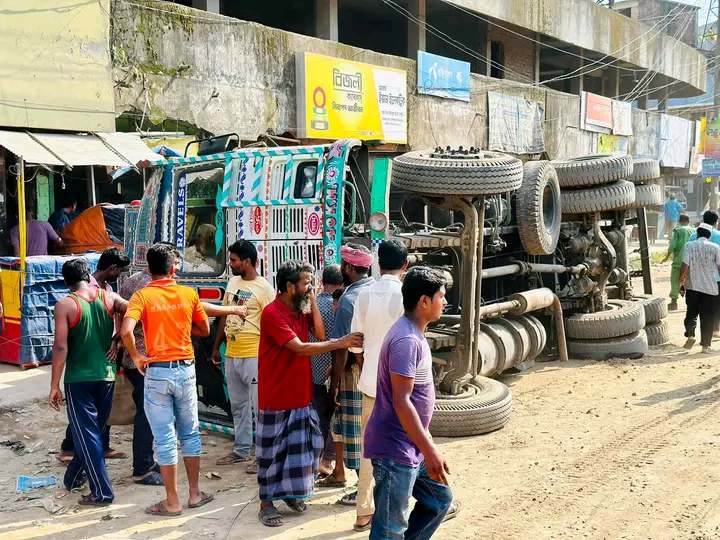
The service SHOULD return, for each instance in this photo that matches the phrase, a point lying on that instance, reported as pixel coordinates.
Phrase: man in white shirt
(377, 308)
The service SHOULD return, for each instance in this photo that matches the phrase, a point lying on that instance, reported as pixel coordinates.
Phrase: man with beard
(289, 441)
(242, 335)
(355, 267)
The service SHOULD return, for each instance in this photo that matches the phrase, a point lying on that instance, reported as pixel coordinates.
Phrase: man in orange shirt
(169, 313)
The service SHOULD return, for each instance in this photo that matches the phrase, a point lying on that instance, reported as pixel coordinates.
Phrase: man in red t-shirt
(289, 441)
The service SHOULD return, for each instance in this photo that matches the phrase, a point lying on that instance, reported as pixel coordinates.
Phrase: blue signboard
(443, 77)
(710, 167)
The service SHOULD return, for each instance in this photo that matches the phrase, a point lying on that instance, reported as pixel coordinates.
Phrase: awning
(110, 149)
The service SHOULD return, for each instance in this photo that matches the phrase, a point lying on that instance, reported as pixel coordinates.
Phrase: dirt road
(617, 449)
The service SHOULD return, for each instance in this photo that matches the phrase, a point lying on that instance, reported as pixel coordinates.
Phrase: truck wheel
(593, 170)
(619, 319)
(658, 333)
(486, 173)
(615, 196)
(634, 345)
(484, 406)
(655, 308)
(644, 169)
(650, 195)
(539, 203)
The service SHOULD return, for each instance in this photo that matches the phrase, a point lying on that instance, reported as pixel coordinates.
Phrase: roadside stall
(31, 285)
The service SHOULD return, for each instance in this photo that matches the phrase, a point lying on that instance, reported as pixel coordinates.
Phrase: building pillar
(417, 40)
(642, 103)
(538, 46)
(612, 82)
(213, 6)
(326, 19)
(576, 83)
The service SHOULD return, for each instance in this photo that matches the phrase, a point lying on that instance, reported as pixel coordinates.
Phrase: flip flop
(349, 499)
(231, 459)
(115, 454)
(363, 528)
(87, 500)
(453, 511)
(296, 505)
(204, 499)
(270, 517)
(330, 482)
(159, 509)
(153, 478)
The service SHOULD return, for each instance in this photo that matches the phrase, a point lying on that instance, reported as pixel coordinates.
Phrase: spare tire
(634, 345)
(485, 173)
(644, 169)
(484, 406)
(649, 195)
(656, 308)
(658, 333)
(621, 318)
(617, 196)
(593, 170)
(538, 202)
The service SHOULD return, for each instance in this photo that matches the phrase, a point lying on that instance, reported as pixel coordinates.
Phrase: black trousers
(324, 407)
(705, 306)
(716, 326)
(143, 459)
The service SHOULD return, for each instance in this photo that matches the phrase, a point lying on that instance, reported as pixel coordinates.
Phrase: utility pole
(713, 205)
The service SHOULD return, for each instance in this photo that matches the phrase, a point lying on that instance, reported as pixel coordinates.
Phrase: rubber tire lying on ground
(484, 406)
(490, 174)
(538, 203)
(617, 196)
(649, 195)
(634, 345)
(644, 169)
(621, 318)
(658, 333)
(655, 308)
(593, 170)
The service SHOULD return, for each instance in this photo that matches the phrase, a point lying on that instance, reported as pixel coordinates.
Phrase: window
(497, 56)
(305, 180)
(204, 249)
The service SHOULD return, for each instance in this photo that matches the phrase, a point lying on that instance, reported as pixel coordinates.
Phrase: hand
(436, 465)
(141, 363)
(55, 398)
(215, 357)
(240, 311)
(113, 351)
(334, 391)
(354, 339)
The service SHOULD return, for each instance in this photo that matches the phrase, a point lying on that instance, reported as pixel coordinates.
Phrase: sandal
(330, 482)
(270, 517)
(297, 505)
(251, 468)
(115, 454)
(65, 457)
(204, 499)
(453, 511)
(153, 478)
(159, 509)
(349, 499)
(363, 528)
(231, 459)
(87, 500)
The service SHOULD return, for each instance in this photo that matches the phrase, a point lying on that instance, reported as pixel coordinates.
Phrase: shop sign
(443, 77)
(712, 134)
(597, 112)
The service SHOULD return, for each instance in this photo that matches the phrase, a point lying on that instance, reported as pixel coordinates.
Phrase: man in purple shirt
(38, 233)
(405, 460)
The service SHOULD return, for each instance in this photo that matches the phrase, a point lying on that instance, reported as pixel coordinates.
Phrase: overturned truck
(531, 252)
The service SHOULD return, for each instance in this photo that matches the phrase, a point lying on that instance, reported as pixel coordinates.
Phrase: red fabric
(284, 377)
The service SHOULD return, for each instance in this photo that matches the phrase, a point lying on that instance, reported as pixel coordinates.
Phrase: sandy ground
(616, 449)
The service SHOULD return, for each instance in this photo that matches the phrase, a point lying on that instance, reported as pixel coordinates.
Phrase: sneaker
(672, 306)
(707, 350)
(689, 342)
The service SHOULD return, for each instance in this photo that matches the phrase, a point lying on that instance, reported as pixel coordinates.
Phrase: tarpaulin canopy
(110, 149)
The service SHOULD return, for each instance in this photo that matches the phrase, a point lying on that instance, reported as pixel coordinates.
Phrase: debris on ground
(213, 475)
(28, 483)
(18, 447)
(50, 505)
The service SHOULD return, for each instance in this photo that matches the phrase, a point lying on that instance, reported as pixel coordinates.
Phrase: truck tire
(649, 195)
(644, 169)
(655, 308)
(634, 345)
(620, 319)
(658, 333)
(484, 406)
(593, 170)
(539, 201)
(489, 174)
(617, 196)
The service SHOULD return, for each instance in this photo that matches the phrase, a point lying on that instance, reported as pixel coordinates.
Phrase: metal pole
(92, 183)
(644, 250)
(22, 223)
(713, 204)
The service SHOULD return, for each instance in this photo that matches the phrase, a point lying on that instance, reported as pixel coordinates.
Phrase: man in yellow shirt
(242, 337)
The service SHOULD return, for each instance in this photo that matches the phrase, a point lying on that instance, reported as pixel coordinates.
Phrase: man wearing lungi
(289, 441)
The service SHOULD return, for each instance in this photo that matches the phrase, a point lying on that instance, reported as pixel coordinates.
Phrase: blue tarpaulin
(44, 287)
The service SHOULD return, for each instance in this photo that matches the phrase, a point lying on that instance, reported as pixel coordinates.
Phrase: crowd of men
(695, 275)
(321, 379)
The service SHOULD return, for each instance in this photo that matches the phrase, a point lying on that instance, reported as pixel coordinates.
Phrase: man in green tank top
(83, 334)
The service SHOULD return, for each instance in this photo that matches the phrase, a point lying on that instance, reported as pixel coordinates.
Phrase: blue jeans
(394, 484)
(171, 408)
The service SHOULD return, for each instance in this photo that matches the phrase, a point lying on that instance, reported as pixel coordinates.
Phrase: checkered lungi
(346, 421)
(288, 448)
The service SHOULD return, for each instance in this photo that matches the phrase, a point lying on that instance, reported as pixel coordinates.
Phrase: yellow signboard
(344, 99)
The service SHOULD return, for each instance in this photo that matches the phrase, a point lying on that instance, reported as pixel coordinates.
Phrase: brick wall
(519, 53)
